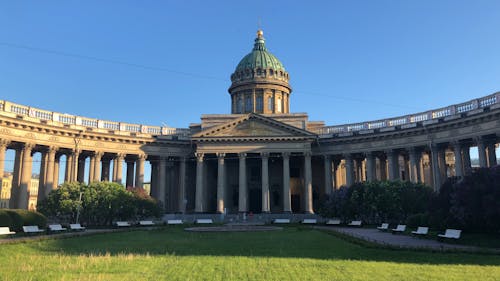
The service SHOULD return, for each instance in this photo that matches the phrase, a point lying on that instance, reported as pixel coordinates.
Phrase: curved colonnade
(424, 147)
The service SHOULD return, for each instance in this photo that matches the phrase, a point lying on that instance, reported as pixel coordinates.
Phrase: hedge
(20, 217)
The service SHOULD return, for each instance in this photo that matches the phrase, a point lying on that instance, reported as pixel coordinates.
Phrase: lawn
(291, 254)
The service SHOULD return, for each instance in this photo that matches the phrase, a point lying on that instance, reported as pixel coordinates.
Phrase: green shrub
(19, 217)
(417, 220)
(5, 219)
(17, 220)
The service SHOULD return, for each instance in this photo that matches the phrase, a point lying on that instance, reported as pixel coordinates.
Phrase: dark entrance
(255, 201)
(295, 203)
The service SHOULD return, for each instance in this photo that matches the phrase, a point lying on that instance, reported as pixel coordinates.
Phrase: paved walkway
(11, 240)
(401, 241)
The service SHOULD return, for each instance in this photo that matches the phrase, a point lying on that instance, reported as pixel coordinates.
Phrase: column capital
(52, 149)
(142, 156)
(369, 154)
(479, 140)
(264, 155)
(285, 154)
(242, 155)
(120, 155)
(221, 155)
(347, 156)
(199, 156)
(327, 157)
(456, 144)
(28, 146)
(307, 153)
(4, 143)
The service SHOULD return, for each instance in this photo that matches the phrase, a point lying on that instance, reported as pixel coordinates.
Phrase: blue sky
(168, 62)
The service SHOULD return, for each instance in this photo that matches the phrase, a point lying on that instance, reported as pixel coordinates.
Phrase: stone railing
(412, 120)
(87, 124)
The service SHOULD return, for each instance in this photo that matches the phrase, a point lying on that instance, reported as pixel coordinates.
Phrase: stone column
(199, 208)
(69, 161)
(81, 169)
(334, 174)
(139, 171)
(56, 170)
(24, 186)
(182, 185)
(414, 164)
(266, 206)
(287, 199)
(466, 160)
(349, 170)
(154, 178)
(436, 173)
(457, 150)
(308, 184)
(162, 180)
(443, 168)
(117, 163)
(492, 157)
(392, 157)
(91, 167)
(106, 163)
(221, 182)
(97, 165)
(243, 197)
(49, 182)
(327, 164)
(130, 172)
(370, 167)
(74, 164)
(42, 176)
(3, 149)
(16, 179)
(481, 150)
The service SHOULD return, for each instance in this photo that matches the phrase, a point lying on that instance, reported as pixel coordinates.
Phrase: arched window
(248, 104)
(259, 106)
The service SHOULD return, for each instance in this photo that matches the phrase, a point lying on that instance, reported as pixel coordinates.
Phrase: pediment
(253, 126)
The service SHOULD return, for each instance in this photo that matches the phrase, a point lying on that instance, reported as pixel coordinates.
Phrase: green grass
(291, 254)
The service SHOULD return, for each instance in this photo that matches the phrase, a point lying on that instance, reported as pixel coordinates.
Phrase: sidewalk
(401, 241)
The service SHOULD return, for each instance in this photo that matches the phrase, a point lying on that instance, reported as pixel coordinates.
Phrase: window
(259, 106)
(248, 104)
(240, 105)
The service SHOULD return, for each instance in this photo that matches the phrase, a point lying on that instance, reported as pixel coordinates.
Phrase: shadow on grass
(289, 243)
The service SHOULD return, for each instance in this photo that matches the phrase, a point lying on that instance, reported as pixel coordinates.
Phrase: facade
(261, 158)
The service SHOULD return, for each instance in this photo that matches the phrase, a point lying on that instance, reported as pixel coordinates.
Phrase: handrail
(68, 119)
(412, 118)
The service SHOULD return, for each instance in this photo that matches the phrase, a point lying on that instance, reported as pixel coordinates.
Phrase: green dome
(260, 58)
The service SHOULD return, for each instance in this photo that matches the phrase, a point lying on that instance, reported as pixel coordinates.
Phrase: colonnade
(201, 204)
(363, 166)
(99, 168)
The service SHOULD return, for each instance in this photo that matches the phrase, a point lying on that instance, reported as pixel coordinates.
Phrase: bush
(417, 220)
(101, 203)
(5, 219)
(17, 220)
(378, 201)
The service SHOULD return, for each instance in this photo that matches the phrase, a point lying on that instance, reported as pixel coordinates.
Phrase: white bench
(76, 226)
(451, 234)
(384, 226)
(309, 221)
(146, 223)
(32, 229)
(333, 222)
(122, 224)
(281, 221)
(399, 229)
(175, 222)
(354, 223)
(56, 227)
(421, 230)
(6, 231)
(204, 221)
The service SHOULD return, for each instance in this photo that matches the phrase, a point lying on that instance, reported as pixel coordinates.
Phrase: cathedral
(261, 158)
